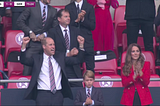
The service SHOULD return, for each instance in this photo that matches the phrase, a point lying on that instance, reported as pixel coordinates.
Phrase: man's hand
(88, 101)
(8, 13)
(80, 40)
(33, 36)
(25, 41)
(73, 52)
(40, 37)
(81, 16)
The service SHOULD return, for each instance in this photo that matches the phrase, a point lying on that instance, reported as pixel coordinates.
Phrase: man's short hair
(59, 13)
(89, 74)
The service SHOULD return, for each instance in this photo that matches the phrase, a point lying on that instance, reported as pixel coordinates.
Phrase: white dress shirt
(44, 79)
(68, 32)
(80, 4)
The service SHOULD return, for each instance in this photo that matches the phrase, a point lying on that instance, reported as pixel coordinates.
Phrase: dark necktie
(66, 39)
(44, 16)
(88, 94)
(78, 9)
(51, 76)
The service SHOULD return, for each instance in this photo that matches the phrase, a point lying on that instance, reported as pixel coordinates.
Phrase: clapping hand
(81, 16)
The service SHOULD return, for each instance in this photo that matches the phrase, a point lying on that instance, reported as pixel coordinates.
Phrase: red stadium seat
(140, 42)
(59, 7)
(12, 42)
(19, 85)
(107, 83)
(148, 57)
(119, 23)
(14, 68)
(105, 63)
(154, 83)
(106, 67)
(158, 31)
(7, 25)
(1, 65)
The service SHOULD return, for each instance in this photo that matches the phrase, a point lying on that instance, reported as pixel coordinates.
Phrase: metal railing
(76, 80)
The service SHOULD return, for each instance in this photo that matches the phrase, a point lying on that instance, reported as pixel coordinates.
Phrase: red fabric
(141, 84)
(103, 35)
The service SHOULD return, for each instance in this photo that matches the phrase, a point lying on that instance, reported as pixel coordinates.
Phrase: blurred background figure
(140, 14)
(103, 35)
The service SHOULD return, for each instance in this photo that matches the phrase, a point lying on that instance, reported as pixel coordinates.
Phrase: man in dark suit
(59, 35)
(140, 14)
(157, 18)
(49, 83)
(89, 96)
(15, 12)
(83, 17)
(40, 19)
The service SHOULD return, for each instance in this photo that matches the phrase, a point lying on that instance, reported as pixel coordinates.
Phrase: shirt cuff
(37, 35)
(8, 8)
(23, 50)
(45, 34)
(92, 102)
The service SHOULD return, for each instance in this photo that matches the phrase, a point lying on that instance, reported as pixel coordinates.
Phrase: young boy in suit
(89, 95)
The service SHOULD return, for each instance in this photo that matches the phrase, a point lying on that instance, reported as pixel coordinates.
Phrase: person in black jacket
(140, 14)
(15, 12)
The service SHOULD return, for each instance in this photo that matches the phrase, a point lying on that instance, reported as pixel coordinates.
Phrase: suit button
(142, 87)
(128, 88)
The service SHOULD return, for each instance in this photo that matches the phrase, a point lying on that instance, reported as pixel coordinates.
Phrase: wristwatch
(30, 32)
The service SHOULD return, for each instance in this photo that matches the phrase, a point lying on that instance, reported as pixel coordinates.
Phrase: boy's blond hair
(89, 74)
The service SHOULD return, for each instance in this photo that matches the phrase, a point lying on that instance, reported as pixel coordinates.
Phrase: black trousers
(33, 48)
(47, 98)
(137, 101)
(146, 27)
(89, 59)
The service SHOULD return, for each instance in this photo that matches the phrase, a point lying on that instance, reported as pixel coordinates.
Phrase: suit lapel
(71, 38)
(48, 15)
(93, 92)
(59, 31)
(38, 12)
(74, 9)
(84, 5)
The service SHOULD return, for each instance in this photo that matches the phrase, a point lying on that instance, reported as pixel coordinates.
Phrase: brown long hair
(128, 60)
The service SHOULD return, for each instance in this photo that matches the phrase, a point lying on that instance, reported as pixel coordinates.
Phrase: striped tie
(51, 75)
(44, 16)
(66, 39)
(88, 94)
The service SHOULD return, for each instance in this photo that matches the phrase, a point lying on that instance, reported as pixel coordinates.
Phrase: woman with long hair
(135, 78)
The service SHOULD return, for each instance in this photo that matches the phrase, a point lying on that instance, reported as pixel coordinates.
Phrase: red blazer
(141, 83)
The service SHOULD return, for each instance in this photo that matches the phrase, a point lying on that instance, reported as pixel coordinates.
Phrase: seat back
(19, 85)
(12, 42)
(14, 68)
(1, 65)
(119, 15)
(107, 83)
(148, 57)
(120, 23)
(59, 7)
(7, 25)
(106, 62)
(158, 31)
(140, 42)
